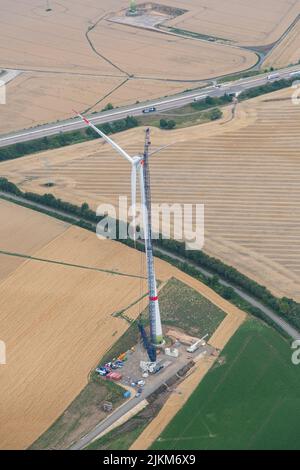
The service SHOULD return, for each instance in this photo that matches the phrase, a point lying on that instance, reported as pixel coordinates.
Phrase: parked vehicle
(101, 371)
(158, 368)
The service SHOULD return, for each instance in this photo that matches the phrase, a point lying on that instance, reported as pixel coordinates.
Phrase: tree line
(284, 307)
(64, 139)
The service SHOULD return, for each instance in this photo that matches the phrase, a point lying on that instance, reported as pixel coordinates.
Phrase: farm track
(95, 50)
(292, 332)
(246, 172)
(71, 265)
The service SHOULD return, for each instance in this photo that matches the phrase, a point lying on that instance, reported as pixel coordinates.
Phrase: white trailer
(273, 76)
(199, 98)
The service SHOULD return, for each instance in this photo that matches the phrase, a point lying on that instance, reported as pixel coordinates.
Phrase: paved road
(291, 331)
(164, 104)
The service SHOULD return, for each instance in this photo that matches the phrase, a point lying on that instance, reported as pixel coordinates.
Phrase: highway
(161, 105)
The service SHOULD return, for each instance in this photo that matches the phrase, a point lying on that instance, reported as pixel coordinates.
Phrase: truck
(273, 76)
(199, 98)
(292, 74)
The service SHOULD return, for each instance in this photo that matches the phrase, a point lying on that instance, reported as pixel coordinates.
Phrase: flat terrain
(287, 51)
(63, 318)
(55, 329)
(35, 231)
(248, 400)
(73, 57)
(35, 98)
(157, 55)
(246, 171)
(239, 21)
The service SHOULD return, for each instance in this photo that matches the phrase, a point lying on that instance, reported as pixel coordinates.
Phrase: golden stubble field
(246, 171)
(287, 51)
(36, 231)
(57, 321)
(247, 23)
(34, 98)
(62, 70)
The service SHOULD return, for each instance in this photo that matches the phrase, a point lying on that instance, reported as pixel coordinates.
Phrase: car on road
(149, 110)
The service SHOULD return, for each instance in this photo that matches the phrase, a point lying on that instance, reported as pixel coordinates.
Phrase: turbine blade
(160, 149)
(133, 196)
(144, 208)
(106, 138)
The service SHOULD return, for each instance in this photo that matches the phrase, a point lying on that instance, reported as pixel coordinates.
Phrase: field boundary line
(71, 265)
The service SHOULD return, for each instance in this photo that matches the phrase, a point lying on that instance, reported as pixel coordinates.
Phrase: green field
(200, 316)
(249, 400)
(185, 308)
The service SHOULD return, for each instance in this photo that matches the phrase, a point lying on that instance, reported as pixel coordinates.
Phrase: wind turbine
(139, 166)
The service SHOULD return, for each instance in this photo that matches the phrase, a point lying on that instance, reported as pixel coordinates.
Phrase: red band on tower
(153, 298)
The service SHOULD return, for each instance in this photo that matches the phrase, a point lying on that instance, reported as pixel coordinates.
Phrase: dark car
(149, 110)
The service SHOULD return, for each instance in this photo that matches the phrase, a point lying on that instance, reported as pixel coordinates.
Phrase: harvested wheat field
(73, 56)
(34, 232)
(56, 41)
(252, 23)
(57, 319)
(162, 56)
(287, 51)
(246, 171)
(38, 98)
(34, 98)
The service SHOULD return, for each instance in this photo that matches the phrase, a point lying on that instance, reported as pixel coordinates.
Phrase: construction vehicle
(151, 350)
(158, 368)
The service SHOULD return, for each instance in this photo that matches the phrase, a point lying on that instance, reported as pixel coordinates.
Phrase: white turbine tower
(139, 165)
